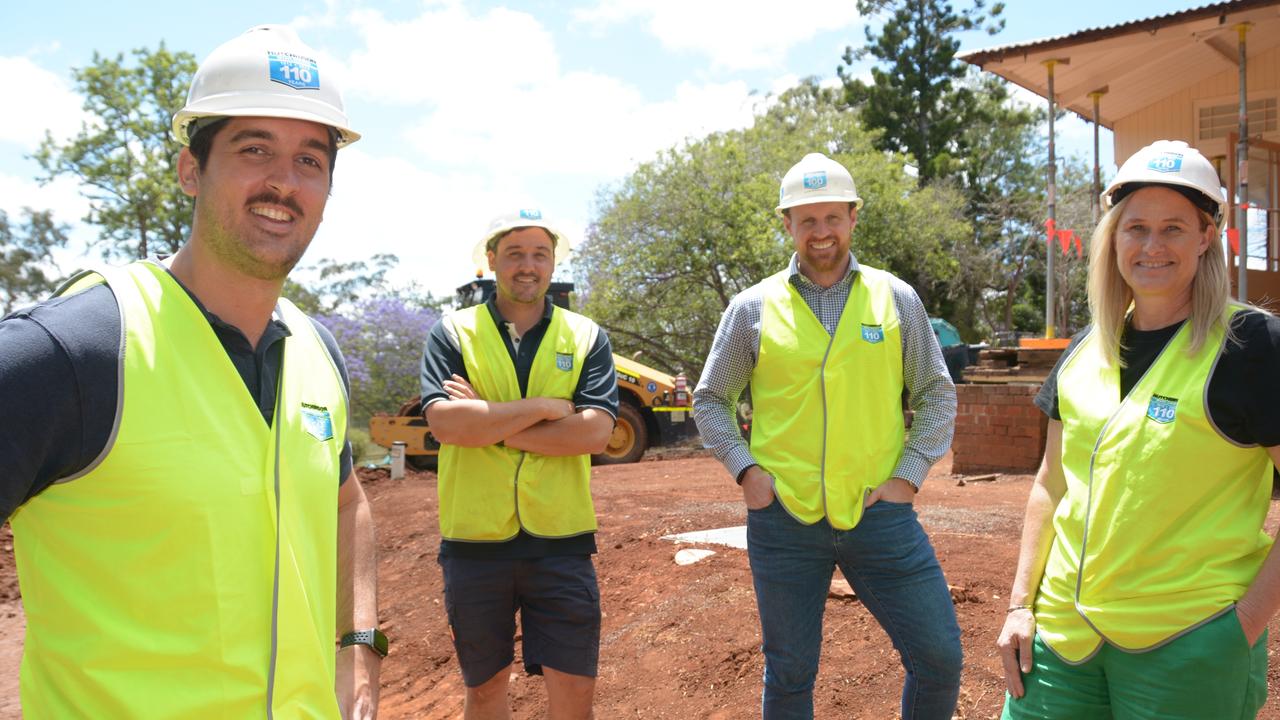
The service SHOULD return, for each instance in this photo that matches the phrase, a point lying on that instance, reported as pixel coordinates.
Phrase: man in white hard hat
(186, 523)
(828, 346)
(520, 393)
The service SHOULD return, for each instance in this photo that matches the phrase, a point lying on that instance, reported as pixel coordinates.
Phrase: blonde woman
(1145, 580)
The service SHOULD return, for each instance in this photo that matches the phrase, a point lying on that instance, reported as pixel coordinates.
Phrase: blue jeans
(890, 564)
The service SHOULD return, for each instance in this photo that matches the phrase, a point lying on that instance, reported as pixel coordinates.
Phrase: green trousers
(1208, 673)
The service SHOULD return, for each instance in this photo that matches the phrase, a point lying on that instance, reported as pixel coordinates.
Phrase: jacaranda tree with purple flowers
(381, 339)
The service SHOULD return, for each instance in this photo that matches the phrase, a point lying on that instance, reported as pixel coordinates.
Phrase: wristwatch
(372, 637)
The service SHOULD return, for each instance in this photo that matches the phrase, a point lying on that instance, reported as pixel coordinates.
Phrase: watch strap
(373, 637)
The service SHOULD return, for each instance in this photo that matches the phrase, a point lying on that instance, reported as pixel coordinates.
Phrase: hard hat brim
(815, 199)
(1109, 194)
(183, 119)
(480, 253)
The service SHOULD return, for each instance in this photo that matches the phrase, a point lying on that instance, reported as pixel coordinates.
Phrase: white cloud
(429, 220)
(491, 121)
(47, 102)
(448, 53)
(734, 34)
(330, 18)
(493, 101)
(580, 123)
(63, 197)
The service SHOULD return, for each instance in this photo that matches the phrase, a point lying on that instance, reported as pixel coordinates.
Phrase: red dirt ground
(677, 642)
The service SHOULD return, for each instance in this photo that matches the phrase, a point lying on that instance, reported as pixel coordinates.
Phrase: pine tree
(914, 97)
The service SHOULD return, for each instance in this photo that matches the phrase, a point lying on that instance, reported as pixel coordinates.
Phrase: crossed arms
(543, 425)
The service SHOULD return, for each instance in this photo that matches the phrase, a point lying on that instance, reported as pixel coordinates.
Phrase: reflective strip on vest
(166, 580)
(827, 421)
(489, 494)
(1160, 528)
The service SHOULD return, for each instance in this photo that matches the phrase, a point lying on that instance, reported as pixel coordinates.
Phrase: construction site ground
(677, 641)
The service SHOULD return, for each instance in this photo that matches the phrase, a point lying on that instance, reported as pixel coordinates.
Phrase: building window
(1222, 118)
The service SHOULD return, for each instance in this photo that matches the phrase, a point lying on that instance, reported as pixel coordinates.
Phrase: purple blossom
(381, 340)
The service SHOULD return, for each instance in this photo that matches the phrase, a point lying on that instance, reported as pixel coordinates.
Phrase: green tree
(678, 238)
(1003, 183)
(914, 99)
(26, 257)
(124, 156)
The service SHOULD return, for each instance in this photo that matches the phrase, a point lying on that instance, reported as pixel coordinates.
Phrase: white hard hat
(266, 72)
(1175, 164)
(815, 179)
(507, 221)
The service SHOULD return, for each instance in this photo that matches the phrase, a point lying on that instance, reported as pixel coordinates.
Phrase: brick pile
(998, 429)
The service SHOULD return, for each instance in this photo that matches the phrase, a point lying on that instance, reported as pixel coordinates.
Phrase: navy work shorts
(559, 604)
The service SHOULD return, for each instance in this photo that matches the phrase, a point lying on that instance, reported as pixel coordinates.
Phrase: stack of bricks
(998, 429)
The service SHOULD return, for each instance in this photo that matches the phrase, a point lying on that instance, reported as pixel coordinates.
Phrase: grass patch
(364, 450)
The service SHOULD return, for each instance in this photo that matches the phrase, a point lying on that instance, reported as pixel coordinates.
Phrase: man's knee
(492, 690)
(569, 696)
(789, 678)
(939, 662)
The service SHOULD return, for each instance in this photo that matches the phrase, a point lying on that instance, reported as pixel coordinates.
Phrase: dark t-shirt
(59, 364)
(1244, 389)
(597, 388)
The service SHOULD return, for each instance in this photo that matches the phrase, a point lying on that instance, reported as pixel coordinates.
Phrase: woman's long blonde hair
(1110, 297)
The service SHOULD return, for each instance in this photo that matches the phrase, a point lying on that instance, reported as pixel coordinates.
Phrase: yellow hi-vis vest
(189, 573)
(488, 494)
(827, 421)
(1160, 528)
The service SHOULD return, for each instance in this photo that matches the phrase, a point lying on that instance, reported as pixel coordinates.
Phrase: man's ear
(188, 172)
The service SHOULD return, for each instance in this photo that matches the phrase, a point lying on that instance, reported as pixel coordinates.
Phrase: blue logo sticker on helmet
(1162, 409)
(815, 180)
(872, 333)
(531, 214)
(296, 71)
(1166, 162)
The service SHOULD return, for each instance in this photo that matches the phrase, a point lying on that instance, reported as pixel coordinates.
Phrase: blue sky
(467, 108)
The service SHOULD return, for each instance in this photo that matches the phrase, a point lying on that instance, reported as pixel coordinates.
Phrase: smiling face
(821, 232)
(522, 263)
(1158, 242)
(261, 194)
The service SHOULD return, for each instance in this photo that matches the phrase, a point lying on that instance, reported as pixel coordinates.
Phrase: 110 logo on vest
(872, 333)
(1162, 409)
(317, 422)
(564, 361)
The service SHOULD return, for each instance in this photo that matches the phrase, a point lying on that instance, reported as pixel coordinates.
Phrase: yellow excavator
(654, 408)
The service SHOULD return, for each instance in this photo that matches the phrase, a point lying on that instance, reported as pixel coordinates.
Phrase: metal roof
(1139, 62)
